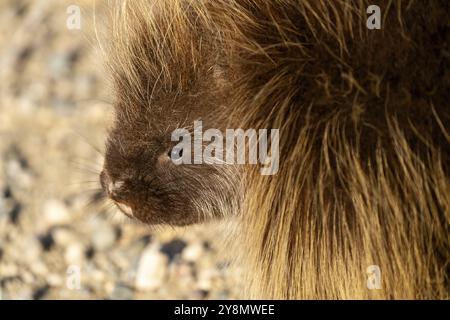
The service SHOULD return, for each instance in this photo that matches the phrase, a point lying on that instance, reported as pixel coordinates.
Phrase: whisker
(97, 198)
(82, 183)
(85, 167)
(86, 140)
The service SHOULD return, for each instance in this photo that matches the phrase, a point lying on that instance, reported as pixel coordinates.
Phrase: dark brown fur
(364, 142)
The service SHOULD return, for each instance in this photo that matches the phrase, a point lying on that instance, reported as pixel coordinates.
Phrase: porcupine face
(140, 177)
(165, 77)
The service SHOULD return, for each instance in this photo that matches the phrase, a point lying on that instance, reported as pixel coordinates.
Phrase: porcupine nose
(114, 189)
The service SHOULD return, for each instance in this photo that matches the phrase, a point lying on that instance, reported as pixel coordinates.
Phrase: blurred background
(58, 238)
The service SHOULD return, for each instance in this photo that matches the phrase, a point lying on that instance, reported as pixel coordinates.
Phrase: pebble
(173, 248)
(152, 269)
(59, 64)
(63, 237)
(18, 172)
(200, 294)
(15, 212)
(30, 249)
(28, 277)
(39, 268)
(55, 213)
(206, 278)
(184, 274)
(122, 292)
(47, 241)
(122, 259)
(94, 278)
(54, 280)
(41, 292)
(8, 270)
(104, 236)
(74, 254)
(193, 252)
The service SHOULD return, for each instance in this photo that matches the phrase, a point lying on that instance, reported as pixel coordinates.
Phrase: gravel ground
(58, 238)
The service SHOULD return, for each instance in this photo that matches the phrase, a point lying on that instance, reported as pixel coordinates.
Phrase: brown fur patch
(363, 118)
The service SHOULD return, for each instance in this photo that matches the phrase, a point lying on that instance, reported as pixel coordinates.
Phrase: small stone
(54, 280)
(18, 170)
(206, 277)
(200, 294)
(9, 208)
(74, 254)
(122, 259)
(63, 236)
(90, 252)
(193, 252)
(109, 286)
(152, 269)
(15, 212)
(184, 273)
(173, 248)
(41, 292)
(94, 277)
(28, 277)
(39, 268)
(59, 64)
(9, 270)
(103, 236)
(7, 193)
(55, 213)
(46, 241)
(30, 249)
(122, 292)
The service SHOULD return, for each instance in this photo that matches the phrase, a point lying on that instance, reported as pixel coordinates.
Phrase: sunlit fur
(363, 118)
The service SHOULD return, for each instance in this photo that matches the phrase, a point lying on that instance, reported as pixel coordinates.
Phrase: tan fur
(364, 142)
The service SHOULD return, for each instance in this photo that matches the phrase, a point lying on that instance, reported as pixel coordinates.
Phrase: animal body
(363, 116)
